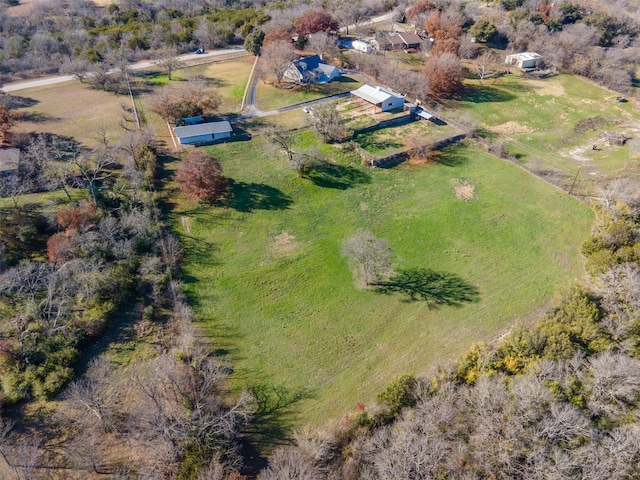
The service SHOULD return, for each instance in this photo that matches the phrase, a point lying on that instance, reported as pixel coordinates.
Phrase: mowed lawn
(537, 120)
(273, 292)
(270, 97)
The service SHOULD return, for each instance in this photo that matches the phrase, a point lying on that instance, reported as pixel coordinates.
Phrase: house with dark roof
(397, 41)
(203, 132)
(311, 70)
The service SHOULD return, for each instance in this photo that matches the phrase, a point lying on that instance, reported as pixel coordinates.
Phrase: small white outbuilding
(524, 60)
(361, 46)
(203, 132)
(380, 97)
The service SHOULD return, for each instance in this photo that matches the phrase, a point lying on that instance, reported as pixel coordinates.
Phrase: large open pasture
(273, 292)
(552, 126)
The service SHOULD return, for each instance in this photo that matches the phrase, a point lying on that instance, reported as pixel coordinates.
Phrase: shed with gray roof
(380, 97)
(203, 132)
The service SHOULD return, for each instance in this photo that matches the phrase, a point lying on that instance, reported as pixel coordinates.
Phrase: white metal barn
(524, 60)
(203, 132)
(380, 97)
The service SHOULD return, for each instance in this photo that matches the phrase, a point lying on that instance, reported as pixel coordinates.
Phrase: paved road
(41, 82)
(371, 21)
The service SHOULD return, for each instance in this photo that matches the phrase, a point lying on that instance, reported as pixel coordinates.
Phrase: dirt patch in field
(509, 128)
(283, 245)
(463, 190)
(547, 87)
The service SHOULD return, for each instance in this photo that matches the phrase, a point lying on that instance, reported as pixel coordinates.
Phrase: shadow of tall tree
(271, 425)
(434, 288)
(246, 197)
(340, 177)
(485, 94)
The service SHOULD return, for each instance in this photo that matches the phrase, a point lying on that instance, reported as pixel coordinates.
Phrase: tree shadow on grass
(434, 288)
(246, 197)
(37, 117)
(340, 177)
(16, 101)
(450, 157)
(369, 143)
(485, 94)
(271, 425)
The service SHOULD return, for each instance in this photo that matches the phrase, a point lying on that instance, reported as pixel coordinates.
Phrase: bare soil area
(463, 190)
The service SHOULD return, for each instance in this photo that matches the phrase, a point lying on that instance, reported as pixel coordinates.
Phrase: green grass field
(273, 292)
(537, 119)
(269, 97)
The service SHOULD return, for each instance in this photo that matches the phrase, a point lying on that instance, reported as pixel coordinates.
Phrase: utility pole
(133, 103)
(575, 179)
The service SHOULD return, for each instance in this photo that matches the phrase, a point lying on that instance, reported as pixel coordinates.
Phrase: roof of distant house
(395, 39)
(204, 129)
(410, 38)
(375, 95)
(9, 158)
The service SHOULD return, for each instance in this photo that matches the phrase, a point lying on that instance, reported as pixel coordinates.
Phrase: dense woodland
(556, 401)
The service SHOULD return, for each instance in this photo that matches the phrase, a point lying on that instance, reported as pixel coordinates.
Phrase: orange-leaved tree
(200, 177)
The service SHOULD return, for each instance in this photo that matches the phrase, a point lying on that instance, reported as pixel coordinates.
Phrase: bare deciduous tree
(487, 65)
(168, 61)
(370, 256)
(282, 140)
(326, 122)
(190, 99)
(276, 57)
(324, 44)
(93, 400)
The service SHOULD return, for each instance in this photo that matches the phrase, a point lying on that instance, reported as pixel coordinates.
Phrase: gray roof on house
(203, 129)
(9, 158)
(327, 69)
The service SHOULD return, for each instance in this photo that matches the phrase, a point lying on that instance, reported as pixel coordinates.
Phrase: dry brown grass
(463, 190)
(283, 245)
(75, 110)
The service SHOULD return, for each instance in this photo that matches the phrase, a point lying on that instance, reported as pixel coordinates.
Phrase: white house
(361, 46)
(524, 60)
(311, 70)
(203, 132)
(380, 97)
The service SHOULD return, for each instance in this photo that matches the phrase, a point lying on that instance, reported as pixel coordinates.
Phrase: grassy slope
(292, 317)
(538, 116)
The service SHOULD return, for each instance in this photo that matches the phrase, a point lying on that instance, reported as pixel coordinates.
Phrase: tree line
(102, 264)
